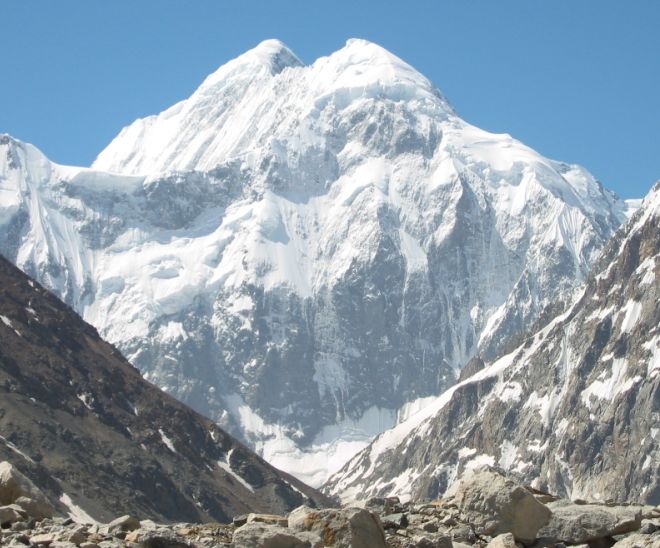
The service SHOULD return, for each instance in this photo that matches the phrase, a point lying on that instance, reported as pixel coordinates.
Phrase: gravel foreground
(483, 508)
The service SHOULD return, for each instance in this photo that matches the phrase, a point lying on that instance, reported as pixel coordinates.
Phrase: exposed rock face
(299, 251)
(574, 409)
(97, 440)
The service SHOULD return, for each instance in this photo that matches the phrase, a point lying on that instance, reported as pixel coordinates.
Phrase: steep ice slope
(575, 409)
(301, 251)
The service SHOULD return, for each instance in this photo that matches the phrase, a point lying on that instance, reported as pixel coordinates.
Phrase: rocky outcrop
(572, 410)
(94, 438)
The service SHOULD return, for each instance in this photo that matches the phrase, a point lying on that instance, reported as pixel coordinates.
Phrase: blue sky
(577, 81)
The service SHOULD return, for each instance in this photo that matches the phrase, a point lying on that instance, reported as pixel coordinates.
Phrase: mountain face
(303, 253)
(575, 409)
(100, 441)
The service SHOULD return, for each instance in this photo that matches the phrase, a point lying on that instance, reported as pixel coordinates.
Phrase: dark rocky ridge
(77, 418)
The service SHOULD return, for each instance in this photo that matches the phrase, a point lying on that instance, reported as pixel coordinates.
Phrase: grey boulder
(124, 523)
(638, 541)
(257, 534)
(496, 504)
(505, 540)
(11, 514)
(14, 485)
(340, 527)
(579, 523)
(426, 542)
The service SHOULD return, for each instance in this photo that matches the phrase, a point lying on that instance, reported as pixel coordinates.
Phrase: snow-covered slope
(303, 252)
(575, 409)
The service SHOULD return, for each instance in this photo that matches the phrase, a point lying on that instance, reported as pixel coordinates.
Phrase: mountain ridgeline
(305, 253)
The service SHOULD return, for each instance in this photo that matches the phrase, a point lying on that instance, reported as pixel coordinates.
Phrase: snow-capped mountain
(575, 409)
(304, 253)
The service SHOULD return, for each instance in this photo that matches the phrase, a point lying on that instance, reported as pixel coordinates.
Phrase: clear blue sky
(577, 80)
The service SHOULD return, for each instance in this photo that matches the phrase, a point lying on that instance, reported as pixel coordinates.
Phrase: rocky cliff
(575, 409)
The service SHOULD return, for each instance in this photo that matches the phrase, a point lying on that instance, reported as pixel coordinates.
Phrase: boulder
(426, 542)
(463, 533)
(124, 523)
(395, 521)
(14, 486)
(340, 527)
(579, 523)
(302, 518)
(148, 524)
(257, 534)
(11, 514)
(157, 538)
(43, 539)
(648, 527)
(78, 535)
(37, 509)
(448, 521)
(496, 504)
(430, 526)
(638, 541)
(382, 505)
(505, 540)
(273, 519)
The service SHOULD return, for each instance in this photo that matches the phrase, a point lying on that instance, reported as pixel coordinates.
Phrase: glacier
(302, 252)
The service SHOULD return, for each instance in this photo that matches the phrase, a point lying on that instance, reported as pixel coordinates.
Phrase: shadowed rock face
(82, 424)
(573, 410)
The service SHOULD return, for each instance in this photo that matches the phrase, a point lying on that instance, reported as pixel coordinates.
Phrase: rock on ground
(344, 527)
(579, 523)
(14, 485)
(257, 534)
(496, 504)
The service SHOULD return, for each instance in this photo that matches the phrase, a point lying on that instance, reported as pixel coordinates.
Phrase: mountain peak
(249, 99)
(361, 44)
(275, 54)
(372, 60)
(272, 55)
